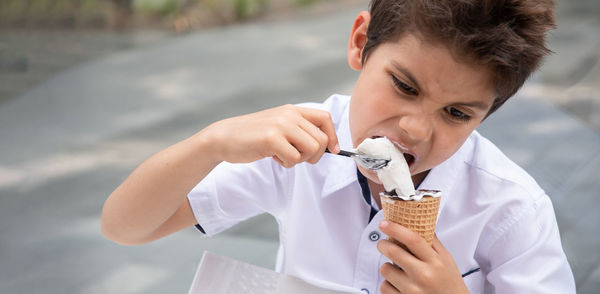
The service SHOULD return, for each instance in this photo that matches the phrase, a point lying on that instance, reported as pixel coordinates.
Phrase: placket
(369, 259)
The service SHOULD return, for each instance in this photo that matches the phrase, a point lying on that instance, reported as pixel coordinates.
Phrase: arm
(527, 257)
(151, 202)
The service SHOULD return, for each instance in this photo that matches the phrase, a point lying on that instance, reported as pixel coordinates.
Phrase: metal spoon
(368, 162)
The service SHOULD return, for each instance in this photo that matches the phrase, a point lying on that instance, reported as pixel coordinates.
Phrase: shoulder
(511, 198)
(519, 231)
(485, 160)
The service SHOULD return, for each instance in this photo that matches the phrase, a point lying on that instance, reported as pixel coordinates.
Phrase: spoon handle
(342, 153)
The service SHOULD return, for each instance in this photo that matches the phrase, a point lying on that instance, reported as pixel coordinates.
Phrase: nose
(416, 127)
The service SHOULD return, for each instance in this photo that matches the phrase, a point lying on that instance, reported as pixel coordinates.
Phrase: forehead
(438, 70)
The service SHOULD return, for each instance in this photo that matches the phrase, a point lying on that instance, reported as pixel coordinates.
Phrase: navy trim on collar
(471, 272)
(366, 192)
(199, 227)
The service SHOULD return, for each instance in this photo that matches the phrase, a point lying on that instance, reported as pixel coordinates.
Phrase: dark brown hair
(506, 36)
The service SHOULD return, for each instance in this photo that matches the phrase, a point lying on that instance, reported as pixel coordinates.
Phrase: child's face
(418, 96)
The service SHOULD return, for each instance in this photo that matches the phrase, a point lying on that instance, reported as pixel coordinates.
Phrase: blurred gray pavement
(67, 143)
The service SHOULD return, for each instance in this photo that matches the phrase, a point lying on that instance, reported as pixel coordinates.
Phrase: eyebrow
(407, 73)
(475, 104)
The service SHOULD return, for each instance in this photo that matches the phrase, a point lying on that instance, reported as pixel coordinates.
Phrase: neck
(418, 178)
(378, 188)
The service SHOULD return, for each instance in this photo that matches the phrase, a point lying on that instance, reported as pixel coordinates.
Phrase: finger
(306, 144)
(286, 154)
(322, 119)
(278, 160)
(445, 255)
(319, 136)
(388, 288)
(415, 243)
(400, 256)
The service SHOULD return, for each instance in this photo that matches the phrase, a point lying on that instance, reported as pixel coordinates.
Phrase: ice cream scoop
(395, 176)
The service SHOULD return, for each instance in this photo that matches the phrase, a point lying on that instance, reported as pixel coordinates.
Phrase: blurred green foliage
(304, 2)
(246, 8)
(157, 7)
(121, 13)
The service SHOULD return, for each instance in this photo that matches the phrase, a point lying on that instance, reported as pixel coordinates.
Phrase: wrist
(463, 288)
(207, 144)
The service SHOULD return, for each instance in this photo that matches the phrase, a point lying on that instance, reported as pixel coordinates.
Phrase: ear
(358, 39)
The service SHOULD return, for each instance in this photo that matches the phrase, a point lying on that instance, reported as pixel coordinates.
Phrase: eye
(457, 114)
(404, 87)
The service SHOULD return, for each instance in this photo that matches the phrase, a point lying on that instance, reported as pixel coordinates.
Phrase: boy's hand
(290, 134)
(427, 270)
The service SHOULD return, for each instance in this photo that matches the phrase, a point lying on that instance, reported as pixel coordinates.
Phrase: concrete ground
(68, 142)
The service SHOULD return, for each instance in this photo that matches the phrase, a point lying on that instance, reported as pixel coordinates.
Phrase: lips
(409, 155)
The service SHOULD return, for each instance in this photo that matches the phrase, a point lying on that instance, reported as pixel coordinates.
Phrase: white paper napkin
(222, 275)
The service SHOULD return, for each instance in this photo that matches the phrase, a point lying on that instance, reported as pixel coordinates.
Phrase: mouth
(409, 156)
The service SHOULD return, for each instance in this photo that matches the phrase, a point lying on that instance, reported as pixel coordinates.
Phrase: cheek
(372, 107)
(374, 92)
(445, 146)
(364, 114)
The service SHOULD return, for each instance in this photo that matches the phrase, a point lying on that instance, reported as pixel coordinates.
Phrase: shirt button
(365, 290)
(374, 236)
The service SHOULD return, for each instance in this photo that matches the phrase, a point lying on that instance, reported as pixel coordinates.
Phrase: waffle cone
(418, 216)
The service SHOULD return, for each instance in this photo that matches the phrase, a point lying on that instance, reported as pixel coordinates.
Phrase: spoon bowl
(364, 160)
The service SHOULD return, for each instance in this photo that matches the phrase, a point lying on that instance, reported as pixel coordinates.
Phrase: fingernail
(337, 148)
(384, 224)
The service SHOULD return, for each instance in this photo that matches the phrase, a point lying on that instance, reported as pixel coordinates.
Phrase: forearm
(138, 209)
(150, 203)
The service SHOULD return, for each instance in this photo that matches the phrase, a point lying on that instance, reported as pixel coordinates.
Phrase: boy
(430, 73)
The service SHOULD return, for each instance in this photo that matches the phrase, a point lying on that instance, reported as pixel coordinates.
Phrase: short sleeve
(528, 257)
(231, 193)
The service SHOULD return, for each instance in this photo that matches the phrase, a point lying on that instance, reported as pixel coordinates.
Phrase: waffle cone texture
(418, 216)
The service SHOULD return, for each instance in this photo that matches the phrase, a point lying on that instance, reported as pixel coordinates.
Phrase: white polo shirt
(497, 223)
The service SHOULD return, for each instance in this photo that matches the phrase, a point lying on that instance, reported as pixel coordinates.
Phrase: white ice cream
(396, 175)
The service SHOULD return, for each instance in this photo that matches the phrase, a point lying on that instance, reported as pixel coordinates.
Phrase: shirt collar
(340, 171)
(444, 176)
